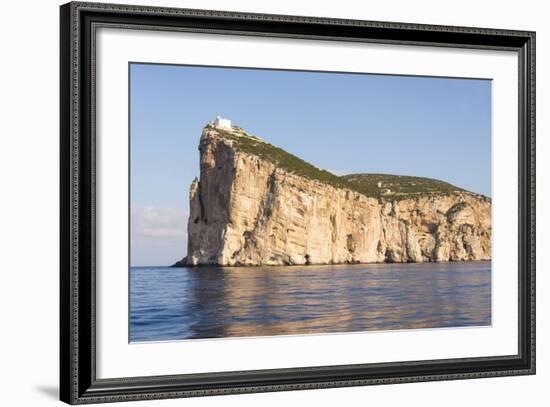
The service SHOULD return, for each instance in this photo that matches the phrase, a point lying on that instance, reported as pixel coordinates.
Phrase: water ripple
(214, 302)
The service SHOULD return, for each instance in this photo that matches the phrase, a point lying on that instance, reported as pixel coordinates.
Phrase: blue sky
(345, 123)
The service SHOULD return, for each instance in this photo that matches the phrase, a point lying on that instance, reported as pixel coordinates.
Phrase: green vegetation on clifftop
(399, 186)
(381, 186)
(249, 144)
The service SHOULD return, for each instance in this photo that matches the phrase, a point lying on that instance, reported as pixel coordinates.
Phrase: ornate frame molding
(78, 382)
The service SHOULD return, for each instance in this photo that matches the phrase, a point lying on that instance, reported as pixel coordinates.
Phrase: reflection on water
(213, 302)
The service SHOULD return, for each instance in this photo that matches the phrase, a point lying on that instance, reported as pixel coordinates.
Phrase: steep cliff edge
(256, 204)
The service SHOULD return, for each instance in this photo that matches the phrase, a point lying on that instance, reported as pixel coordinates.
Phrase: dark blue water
(212, 302)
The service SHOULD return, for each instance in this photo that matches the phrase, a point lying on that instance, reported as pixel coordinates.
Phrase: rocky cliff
(256, 204)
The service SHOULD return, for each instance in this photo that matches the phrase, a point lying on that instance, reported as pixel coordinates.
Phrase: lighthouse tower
(222, 123)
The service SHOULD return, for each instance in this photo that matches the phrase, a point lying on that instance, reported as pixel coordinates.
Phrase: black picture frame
(78, 382)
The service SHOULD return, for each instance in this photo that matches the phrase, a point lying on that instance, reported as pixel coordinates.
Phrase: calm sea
(213, 302)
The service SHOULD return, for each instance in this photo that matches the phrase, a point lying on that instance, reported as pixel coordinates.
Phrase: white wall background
(29, 163)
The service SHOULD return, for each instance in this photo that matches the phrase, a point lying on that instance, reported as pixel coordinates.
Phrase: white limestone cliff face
(244, 210)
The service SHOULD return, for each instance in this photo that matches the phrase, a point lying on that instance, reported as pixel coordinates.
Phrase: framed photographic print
(256, 203)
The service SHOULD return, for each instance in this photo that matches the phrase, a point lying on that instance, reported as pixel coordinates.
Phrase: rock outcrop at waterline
(256, 204)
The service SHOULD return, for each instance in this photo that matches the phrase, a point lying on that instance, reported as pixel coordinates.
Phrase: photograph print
(271, 202)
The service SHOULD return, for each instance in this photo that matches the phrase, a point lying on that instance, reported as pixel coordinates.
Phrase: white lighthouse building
(222, 123)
